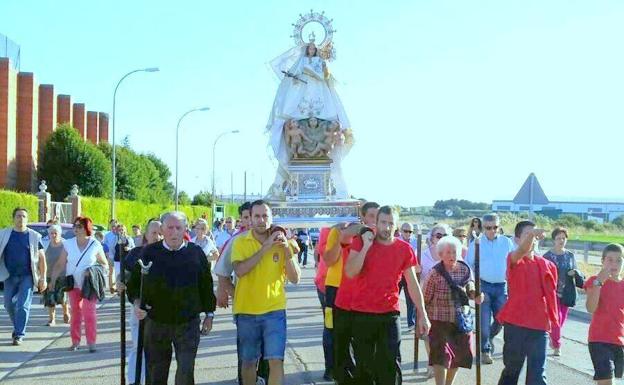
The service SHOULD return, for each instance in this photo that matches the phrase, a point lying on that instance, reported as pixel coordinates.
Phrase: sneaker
(486, 359)
(327, 376)
(92, 348)
(17, 341)
(73, 348)
(51, 323)
(557, 352)
(411, 328)
(492, 346)
(260, 381)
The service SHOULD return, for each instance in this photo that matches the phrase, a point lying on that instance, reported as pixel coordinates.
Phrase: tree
(67, 159)
(461, 203)
(137, 177)
(183, 198)
(164, 174)
(202, 198)
(619, 221)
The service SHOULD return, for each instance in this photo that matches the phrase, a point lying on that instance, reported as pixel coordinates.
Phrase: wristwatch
(598, 283)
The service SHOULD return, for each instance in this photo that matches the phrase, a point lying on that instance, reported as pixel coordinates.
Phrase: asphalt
(44, 357)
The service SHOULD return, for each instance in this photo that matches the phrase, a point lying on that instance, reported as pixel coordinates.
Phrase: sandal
(66, 318)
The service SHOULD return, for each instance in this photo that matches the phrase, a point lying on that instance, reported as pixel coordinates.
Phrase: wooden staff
(122, 318)
(477, 275)
(418, 250)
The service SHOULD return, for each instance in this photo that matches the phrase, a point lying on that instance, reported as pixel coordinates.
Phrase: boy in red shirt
(530, 310)
(377, 262)
(605, 300)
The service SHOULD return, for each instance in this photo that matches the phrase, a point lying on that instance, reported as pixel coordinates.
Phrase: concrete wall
(27, 130)
(8, 115)
(29, 114)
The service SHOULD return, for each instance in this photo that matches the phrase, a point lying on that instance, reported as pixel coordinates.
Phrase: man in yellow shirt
(262, 260)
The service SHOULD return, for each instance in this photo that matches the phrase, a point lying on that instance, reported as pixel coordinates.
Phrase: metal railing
(10, 49)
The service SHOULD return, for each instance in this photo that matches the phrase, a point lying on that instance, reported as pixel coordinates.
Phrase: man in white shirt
(224, 235)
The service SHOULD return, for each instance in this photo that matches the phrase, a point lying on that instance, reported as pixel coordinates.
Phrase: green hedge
(98, 209)
(10, 200)
(132, 212)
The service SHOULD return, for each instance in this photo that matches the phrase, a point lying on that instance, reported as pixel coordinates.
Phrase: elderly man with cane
(177, 288)
(151, 235)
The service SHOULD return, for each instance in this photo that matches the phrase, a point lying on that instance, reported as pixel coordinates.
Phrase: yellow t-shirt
(334, 272)
(262, 289)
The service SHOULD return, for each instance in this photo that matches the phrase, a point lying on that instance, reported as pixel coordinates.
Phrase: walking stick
(416, 339)
(139, 360)
(477, 274)
(122, 307)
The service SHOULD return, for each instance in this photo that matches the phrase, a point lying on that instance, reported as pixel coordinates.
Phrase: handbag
(69, 278)
(464, 316)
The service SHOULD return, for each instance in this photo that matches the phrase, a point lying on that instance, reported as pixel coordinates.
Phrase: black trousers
(160, 340)
(376, 344)
(344, 367)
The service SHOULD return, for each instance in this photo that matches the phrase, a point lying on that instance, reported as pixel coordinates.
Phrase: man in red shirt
(339, 320)
(377, 262)
(530, 310)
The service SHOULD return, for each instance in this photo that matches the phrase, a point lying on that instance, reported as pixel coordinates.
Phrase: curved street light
(177, 158)
(114, 157)
(214, 148)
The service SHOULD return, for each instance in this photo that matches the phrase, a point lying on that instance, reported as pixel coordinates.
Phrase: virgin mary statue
(307, 90)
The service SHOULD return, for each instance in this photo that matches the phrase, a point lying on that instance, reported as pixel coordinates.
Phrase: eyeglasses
(462, 236)
(439, 235)
(407, 231)
(491, 227)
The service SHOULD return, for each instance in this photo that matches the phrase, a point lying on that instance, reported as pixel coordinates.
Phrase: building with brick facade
(29, 113)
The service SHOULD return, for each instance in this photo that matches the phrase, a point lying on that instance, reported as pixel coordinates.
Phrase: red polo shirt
(321, 270)
(527, 305)
(376, 288)
(607, 324)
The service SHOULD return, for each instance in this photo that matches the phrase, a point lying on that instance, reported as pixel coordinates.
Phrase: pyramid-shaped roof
(531, 188)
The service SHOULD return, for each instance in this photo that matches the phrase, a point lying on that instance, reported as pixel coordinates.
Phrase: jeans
(520, 344)
(158, 340)
(411, 309)
(495, 297)
(132, 354)
(262, 335)
(555, 333)
(18, 292)
(376, 344)
(80, 309)
(328, 340)
(303, 254)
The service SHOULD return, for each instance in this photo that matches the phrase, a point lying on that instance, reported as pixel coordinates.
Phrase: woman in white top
(78, 255)
(202, 240)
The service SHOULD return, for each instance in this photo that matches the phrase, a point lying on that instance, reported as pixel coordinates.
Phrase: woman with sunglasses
(79, 254)
(429, 259)
(475, 226)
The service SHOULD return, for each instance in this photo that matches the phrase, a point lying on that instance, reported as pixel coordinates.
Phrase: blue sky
(447, 99)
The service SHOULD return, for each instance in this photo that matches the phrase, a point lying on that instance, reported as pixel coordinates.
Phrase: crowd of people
(166, 273)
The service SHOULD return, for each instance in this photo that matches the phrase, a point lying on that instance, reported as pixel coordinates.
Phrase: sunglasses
(491, 227)
(439, 235)
(408, 231)
(462, 236)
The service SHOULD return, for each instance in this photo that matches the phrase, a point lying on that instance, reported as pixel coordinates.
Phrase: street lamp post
(114, 157)
(178, 149)
(214, 148)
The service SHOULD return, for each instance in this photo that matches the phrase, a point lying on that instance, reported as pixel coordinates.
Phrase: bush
(592, 225)
(569, 220)
(619, 222)
(10, 200)
(67, 160)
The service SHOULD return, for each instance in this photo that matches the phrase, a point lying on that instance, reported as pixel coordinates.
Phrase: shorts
(608, 360)
(267, 330)
(448, 347)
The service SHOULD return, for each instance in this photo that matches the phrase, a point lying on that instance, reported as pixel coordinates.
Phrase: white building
(531, 198)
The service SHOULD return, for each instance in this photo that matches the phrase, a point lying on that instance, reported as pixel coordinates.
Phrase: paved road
(45, 359)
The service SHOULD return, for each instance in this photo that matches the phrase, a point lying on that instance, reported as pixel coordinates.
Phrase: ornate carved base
(314, 214)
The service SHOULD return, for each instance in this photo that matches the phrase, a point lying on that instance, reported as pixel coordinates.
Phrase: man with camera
(263, 260)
